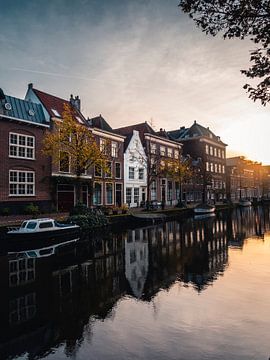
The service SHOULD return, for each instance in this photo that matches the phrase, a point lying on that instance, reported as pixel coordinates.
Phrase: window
(128, 195)
(21, 183)
(223, 169)
(216, 168)
(211, 150)
(223, 154)
(211, 167)
(131, 173)
(64, 163)
(219, 168)
(102, 145)
(162, 150)
(176, 154)
(153, 148)
(153, 191)
(21, 146)
(215, 151)
(207, 166)
(136, 195)
(108, 173)
(169, 151)
(141, 173)
(109, 193)
(169, 193)
(219, 153)
(207, 149)
(98, 171)
(47, 224)
(177, 190)
(114, 149)
(118, 170)
(97, 194)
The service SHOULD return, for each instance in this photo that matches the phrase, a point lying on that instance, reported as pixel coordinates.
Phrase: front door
(65, 197)
(118, 194)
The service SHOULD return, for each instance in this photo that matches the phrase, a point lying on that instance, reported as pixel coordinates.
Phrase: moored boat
(204, 209)
(37, 233)
(244, 202)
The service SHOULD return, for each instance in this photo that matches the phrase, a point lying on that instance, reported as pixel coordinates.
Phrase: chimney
(30, 86)
(77, 103)
(182, 128)
(72, 100)
(2, 95)
(195, 122)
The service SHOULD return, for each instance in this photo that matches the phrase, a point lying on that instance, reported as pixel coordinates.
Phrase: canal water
(184, 289)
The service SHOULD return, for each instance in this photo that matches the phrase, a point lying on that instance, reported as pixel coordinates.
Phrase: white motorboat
(204, 209)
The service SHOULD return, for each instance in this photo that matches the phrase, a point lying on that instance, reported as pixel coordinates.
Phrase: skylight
(56, 113)
(79, 119)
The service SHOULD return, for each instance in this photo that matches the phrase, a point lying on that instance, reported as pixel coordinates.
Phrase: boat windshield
(24, 224)
(31, 225)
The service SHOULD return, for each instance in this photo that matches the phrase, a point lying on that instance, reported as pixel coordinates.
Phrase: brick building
(97, 188)
(210, 153)
(25, 171)
(244, 179)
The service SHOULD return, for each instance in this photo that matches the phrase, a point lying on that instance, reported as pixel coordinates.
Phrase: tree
(180, 170)
(239, 19)
(72, 144)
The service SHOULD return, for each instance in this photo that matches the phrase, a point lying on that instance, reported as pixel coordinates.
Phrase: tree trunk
(78, 191)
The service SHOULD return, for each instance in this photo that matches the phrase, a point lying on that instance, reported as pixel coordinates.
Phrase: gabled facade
(62, 175)
(158, 150)
(108, 189)
(135, 171)
(201, 143)
(25, 171)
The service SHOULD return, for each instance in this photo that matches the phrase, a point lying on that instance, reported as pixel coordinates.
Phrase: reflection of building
(136, 260)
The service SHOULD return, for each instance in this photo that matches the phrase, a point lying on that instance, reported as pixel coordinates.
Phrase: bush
(31, 209)
(5, 211)
(89, 221)
(80, 209)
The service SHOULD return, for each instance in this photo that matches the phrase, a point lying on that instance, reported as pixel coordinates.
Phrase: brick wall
(41, 165)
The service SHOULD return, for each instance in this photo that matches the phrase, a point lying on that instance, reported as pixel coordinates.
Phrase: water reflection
(52, 302)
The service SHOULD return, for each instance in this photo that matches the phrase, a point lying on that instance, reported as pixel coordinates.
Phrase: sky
(133, 61)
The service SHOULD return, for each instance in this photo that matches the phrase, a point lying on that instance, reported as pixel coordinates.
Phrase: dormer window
(56, 113)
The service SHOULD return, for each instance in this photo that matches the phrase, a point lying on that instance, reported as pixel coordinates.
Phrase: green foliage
(89, 221)
(5, 211)
(79, 209)
(239, 19)
(31, 209)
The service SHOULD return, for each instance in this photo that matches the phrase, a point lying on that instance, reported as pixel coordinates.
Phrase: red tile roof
(51, 102)
(142, 128)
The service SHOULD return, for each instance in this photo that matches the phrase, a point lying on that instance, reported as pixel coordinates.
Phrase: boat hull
(204, 210)
(21, 241)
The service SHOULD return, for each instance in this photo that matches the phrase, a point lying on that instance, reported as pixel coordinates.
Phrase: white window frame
(114, 150)
(101, 196)
(25, 183)
(162, 150)
(106, 202)
(120, 177)
(129, 168)
(207, 149)
(142, 170)
(169, 152)
(176, 154)
(153, 148)
(18, 146)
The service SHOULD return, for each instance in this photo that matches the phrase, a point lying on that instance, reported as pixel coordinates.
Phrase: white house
(135, 176)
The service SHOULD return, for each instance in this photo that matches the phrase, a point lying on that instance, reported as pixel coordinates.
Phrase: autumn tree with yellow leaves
(180, 170)
(72, 142)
